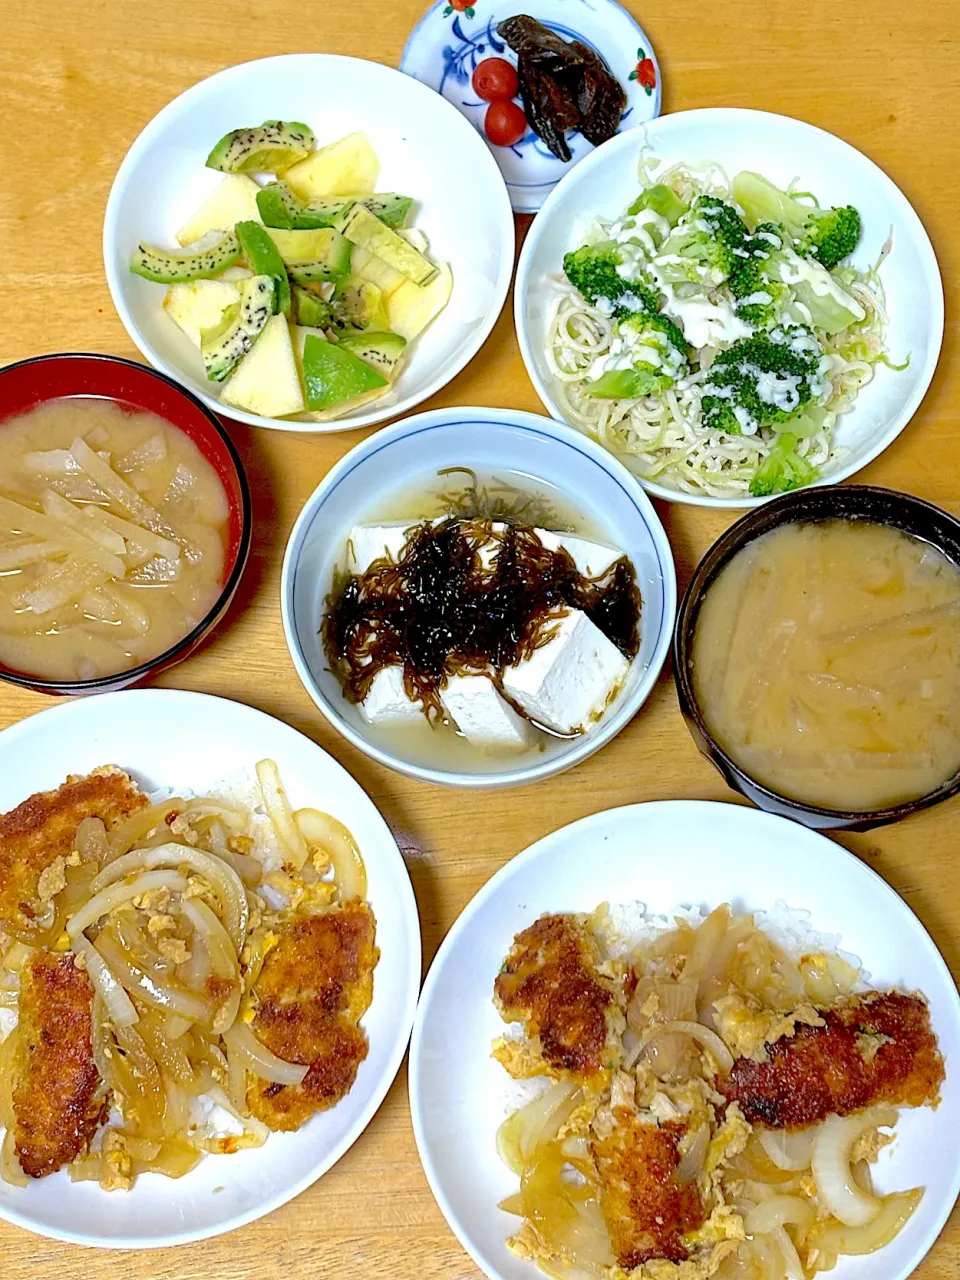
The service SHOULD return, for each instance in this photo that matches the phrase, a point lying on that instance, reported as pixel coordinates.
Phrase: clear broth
(115, 623)
(826, 663)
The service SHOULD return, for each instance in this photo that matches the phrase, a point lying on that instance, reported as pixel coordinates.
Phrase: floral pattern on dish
(454, 36)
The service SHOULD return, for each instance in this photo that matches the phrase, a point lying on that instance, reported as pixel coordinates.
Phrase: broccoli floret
(832, 234)
(762, 380)
(662, 201)
(593, 271)
(658, 353)
(755, 280)
(829, 235)
(783, 469)
(705, 246)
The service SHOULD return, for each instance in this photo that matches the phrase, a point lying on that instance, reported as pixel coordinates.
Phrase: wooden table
(77, 84)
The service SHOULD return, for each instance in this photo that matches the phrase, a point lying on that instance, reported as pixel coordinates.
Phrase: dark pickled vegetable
(439, 611)
(564, 85)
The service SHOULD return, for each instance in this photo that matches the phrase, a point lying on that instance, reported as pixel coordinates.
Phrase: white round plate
(426, 150)
(451, 38)
(406, 457)
(167, 738)
(781, 149)
(668, 854)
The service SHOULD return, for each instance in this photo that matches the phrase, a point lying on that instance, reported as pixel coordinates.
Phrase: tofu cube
(483, 717)
(591, 558)
(387, 702)
(370, 542)
(569, 682)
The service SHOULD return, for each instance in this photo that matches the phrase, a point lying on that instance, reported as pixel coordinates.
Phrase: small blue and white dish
(453, 36)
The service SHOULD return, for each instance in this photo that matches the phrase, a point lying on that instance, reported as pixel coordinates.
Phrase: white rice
(624, 927)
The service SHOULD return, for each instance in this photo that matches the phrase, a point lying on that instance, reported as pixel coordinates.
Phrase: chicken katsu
(639, 1154)
(58, 1096)
(314, 988)
(549, 984)
(647, 1208)
(43, 828)
(170, 967)
(876, 1048)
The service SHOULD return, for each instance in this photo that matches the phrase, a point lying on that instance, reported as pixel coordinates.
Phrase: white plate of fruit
(283, 238)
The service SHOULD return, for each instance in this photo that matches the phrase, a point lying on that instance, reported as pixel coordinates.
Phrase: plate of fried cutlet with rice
(209, 965)
(685, 1040)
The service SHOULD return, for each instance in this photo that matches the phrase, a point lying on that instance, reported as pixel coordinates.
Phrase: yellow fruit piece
(411, 308)
(199, 304)
(300, 332)
(346, 167)
(375, 271)
(233, 201)
(267, 379)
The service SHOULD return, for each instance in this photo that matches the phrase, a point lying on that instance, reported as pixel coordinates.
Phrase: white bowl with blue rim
(403, 458)
(453, 36)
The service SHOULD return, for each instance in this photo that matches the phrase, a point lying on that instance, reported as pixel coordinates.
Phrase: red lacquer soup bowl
(29, 383)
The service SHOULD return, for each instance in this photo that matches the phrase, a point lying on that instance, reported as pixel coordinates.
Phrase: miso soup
(112, 539)
(826, 663)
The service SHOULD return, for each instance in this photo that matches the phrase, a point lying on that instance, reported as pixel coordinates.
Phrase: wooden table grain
(77, 84)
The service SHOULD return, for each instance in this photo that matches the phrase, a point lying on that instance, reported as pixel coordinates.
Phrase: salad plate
(423, 149)
(881, 383)
(453, 37)
(171, 741)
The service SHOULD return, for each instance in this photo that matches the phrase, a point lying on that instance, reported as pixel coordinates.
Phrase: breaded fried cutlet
(874, 1048)
(549, 984)
(43, 828)
(58, 1100)
(314, 988)
(646, 1207)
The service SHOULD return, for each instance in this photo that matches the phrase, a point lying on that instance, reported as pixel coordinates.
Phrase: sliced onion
(10, 1169)
(223, 958)
(8, 1076)
(117, 1003)
(148, 987)
(836, 1185)
(326, 833)
(225, 881)
(691, 1162)
(139, 824)
(247, 867)
(895, 1210)
(791, 1151)
(281, 815)
(256, 1057)
(537, 1121)
(117, 894)
(91, 840)
(16, 956)
(777, 1211)
(703, 1035)
(175, 1026)
(792, 1266)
